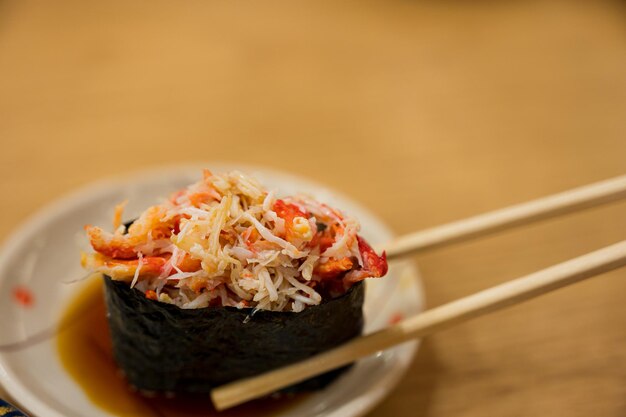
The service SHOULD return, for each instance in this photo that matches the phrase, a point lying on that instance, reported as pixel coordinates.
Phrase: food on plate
(225, 279)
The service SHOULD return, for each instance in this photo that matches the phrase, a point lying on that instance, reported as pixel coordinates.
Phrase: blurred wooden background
(425, 111)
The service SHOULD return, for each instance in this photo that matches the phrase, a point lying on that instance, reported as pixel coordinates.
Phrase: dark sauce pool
(84, 346)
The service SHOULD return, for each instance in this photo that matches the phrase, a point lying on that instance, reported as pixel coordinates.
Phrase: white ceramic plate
(43, 254)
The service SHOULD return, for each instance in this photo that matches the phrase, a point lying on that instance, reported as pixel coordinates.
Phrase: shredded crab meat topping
(227, 241)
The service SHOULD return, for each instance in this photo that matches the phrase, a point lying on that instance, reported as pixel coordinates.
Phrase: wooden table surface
(425, 112)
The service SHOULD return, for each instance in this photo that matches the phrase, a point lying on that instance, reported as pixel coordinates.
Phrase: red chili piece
(23, 296)
(376, 265)
(288, 212)
(396, 318)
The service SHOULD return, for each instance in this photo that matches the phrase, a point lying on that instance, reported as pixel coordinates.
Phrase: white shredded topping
(226, 240)
(139, 265)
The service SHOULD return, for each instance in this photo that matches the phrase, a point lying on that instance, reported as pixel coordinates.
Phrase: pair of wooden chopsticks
(447, 315)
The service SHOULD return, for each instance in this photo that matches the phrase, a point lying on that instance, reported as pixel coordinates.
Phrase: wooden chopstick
(431, 321)
(576, 199)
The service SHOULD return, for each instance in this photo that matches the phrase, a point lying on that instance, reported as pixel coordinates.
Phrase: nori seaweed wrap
(161, 347)
(224, 281)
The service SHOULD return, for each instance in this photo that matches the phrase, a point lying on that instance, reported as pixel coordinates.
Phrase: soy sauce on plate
(84, 347)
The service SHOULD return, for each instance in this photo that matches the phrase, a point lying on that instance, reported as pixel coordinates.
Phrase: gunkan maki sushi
(224, 280)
